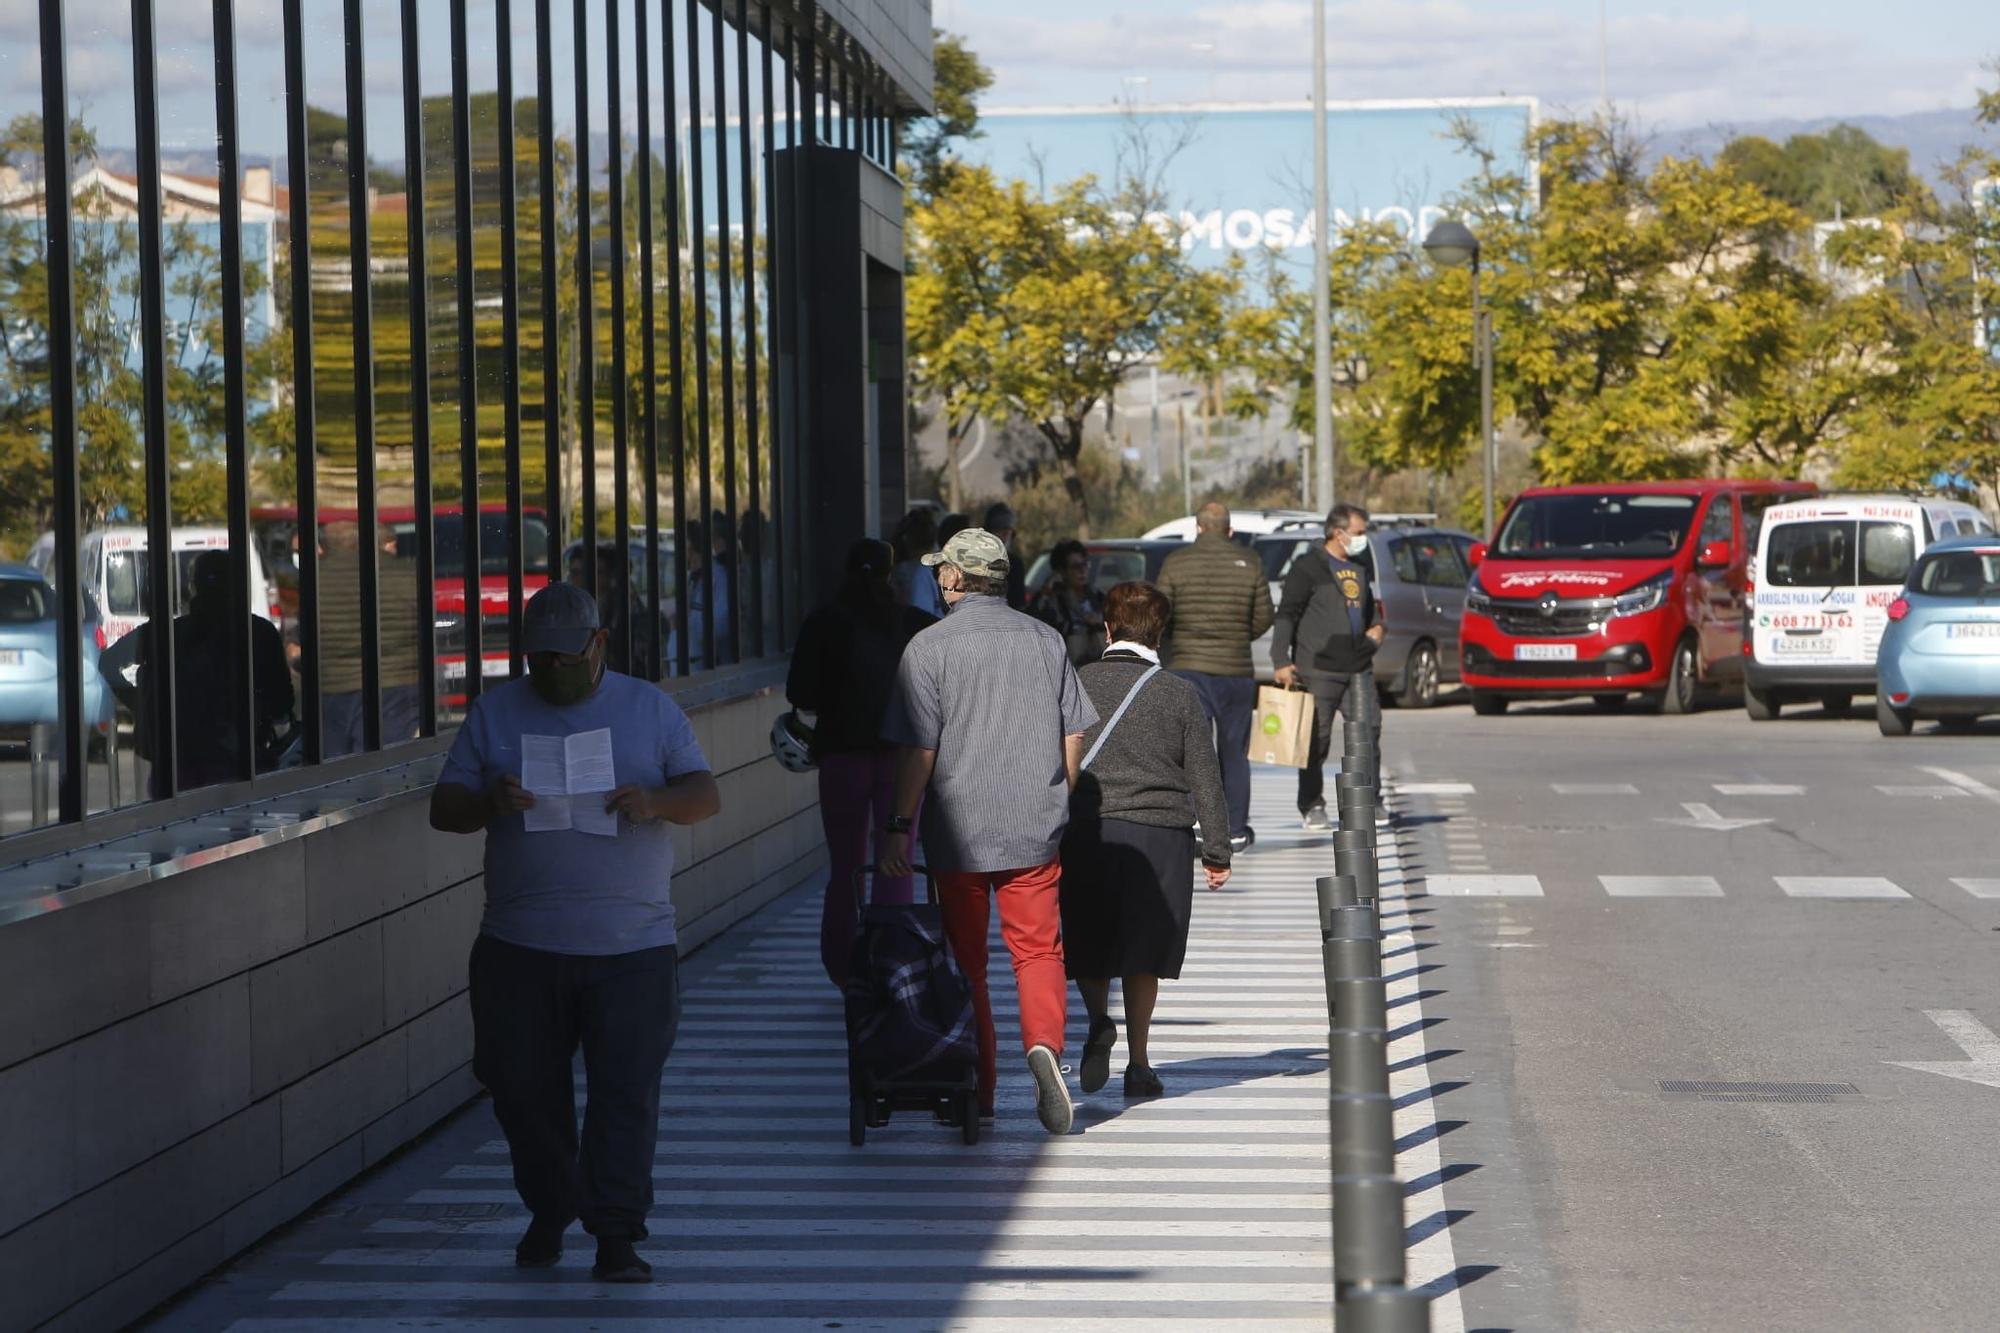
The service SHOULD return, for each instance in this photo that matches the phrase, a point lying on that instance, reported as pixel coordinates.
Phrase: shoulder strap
(1123, 704)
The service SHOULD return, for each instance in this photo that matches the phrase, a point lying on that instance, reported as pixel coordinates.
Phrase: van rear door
(1825, 584)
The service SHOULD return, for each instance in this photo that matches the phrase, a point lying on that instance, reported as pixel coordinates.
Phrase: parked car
(30, 660)
(1612, 590)
(116, 575)
(1246, 523)
(1420, 579)
(1940, 651)
(1113, 561)
(1825, 572)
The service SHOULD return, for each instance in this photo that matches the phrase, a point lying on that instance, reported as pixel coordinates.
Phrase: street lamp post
(1323, 478)
(1453, 245)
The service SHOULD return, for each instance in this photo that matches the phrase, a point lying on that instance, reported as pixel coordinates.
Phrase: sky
(1670, 65)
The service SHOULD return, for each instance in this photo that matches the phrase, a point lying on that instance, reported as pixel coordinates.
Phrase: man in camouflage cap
(990, 718)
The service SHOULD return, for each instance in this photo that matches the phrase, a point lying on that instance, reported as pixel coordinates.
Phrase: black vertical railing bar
(586, 279)
(621, 473)
(235, 419)
(800, 132)
(468, 383)
(649, 361)
(61, 263)
(161, 570)
(545, 162)
(725, 323)
(698, 261)
(868, 125)
(773, 528)
(420, 367)
(304, 404)
(510, 327)
(744, 158)
(367, 548)
(676, 363)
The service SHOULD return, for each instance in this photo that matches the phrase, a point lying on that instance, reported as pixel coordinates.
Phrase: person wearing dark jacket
(1327, 630)
(1128, 856)
(1221, 605)
(844, 670)
(1000, 520)
(1070, 606)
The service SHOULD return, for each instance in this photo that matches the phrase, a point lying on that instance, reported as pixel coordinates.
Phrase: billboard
(1239, 178)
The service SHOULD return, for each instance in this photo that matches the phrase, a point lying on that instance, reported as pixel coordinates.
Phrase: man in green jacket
(1221, 606)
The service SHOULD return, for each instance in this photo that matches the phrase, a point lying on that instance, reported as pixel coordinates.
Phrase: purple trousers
(856, 791)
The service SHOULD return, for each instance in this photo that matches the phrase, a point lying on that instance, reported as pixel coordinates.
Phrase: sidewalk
(1211, 1204)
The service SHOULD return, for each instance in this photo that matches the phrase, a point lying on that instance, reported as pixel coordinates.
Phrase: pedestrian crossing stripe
(1830, 887)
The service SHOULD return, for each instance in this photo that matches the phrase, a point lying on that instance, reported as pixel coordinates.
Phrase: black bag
(909, 1008)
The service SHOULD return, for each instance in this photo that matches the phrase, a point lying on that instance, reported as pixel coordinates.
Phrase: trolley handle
(862, 873)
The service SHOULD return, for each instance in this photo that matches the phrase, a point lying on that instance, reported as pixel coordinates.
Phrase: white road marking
(1704, 817)
(1434, 788)
(1484, 886)
(1594, 789)
(1982, 1049)
(1758, 789)
(670, 1292)
(1660, 886)
(1969, 785)
(1980, 888)
(1933, 790)
(1838, 886)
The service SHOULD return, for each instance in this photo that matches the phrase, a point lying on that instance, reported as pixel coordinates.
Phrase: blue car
(1940, 656)
(28, 657)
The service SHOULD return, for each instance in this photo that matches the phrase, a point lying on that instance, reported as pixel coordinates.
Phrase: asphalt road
(1584, 1196)
(17, 788)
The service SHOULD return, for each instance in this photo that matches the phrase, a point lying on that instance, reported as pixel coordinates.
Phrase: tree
(1843, 172)
(928, 142)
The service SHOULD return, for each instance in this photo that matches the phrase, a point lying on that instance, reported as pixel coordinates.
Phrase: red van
(1614, 590)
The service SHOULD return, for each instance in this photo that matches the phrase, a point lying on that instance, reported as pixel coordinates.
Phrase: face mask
(564, 683)
(1357, 545)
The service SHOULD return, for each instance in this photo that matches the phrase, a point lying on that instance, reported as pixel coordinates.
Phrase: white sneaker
(1052, 1101)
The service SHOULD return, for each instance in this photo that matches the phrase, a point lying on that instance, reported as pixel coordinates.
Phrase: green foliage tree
(928, 142)
(1841, 172)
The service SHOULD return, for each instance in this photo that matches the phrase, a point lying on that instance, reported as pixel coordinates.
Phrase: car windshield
(493, 538)
(1838, 552)
(1610, 527)
(1278, 557)
(1960, 574)
(1110, 568)
(128, 580)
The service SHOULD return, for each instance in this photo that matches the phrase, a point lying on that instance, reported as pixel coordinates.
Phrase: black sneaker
(1052, 1101)
(1141, 1081)
(542, 1245)
(1095, 1071)
(617, 1261)
(1240, 842)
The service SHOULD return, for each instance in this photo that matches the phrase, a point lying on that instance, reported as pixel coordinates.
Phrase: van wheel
(1683, 682)
(1420, 689)
(1488, 704)
(1891, 720)
(1761, 705)
(1838, 705)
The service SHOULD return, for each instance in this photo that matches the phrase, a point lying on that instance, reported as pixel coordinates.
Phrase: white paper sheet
(568, 775)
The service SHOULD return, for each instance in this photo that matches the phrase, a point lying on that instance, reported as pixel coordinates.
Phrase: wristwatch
(900, 823)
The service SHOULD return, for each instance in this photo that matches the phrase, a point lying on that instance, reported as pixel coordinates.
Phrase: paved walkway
(1211, 1204)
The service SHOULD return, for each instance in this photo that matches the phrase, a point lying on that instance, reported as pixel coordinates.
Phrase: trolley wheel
(968, 1106)
(857, 1122)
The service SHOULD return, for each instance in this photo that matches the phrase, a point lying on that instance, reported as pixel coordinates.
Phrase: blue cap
(559, 619)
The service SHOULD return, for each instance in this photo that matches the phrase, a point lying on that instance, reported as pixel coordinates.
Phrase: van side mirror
(1716, 555)
(1475, 555)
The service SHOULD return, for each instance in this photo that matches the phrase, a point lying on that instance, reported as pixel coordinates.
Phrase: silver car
(1940, 655)
(1420, 577)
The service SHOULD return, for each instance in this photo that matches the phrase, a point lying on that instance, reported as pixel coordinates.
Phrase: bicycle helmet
(792, 742)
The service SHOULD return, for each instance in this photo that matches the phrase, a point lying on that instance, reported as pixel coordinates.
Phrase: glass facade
(335, 329)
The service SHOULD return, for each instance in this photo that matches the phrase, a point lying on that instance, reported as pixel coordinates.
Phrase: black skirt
(1127, 890)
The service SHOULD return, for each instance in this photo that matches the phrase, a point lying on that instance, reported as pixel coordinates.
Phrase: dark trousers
(530, 1012)
(1350, 696)
(1231, 705)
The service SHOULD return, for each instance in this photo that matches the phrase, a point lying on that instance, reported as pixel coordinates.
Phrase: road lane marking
(1758, 789)
(1969, 785)
(1982, 1049)
(1594, 789)
(1434, 788)
(1980, 888)
(1932, 790)
(1484, 886)
(1660, 886)
(1705, 817)
(1838, 886)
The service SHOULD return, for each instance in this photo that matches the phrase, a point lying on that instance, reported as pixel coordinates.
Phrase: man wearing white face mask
(1324, 637)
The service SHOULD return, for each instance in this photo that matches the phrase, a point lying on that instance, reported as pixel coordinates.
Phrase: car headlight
(1476, 600)
(1648, 596)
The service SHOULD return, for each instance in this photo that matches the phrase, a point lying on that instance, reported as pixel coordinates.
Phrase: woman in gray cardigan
(1128, 856)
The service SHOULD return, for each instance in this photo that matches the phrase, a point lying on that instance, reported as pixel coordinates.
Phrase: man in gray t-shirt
(990, 719)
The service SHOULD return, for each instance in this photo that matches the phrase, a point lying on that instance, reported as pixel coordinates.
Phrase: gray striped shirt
(992, 691)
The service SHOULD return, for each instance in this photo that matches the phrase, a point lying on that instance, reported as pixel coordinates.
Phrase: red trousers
(1031, 924)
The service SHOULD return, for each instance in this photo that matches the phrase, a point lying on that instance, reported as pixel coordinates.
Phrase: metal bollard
(1367, 1232)
(1363, 1133)
(1354, 922)
(1357, 1058)
(1359, 808)
(1355, 839)
(1359, 1002)
(38, 771)
(1335, 892)
(1351, 957)
(1384, 1309)
(1358, 862)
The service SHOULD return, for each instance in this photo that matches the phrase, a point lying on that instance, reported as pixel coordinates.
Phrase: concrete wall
(895, 34)
(187, 1065)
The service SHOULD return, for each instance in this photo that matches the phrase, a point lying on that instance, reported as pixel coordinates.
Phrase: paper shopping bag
(1283, 731)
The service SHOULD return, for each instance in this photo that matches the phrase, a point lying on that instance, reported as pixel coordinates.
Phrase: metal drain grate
(1713, 1090)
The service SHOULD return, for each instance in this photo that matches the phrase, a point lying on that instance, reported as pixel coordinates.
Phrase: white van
(113, 564)
(1821, 582)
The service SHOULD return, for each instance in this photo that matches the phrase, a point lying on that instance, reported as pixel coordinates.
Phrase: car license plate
(1545, 652)
(10, 657)
(1802, 642)
(1958, 629)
